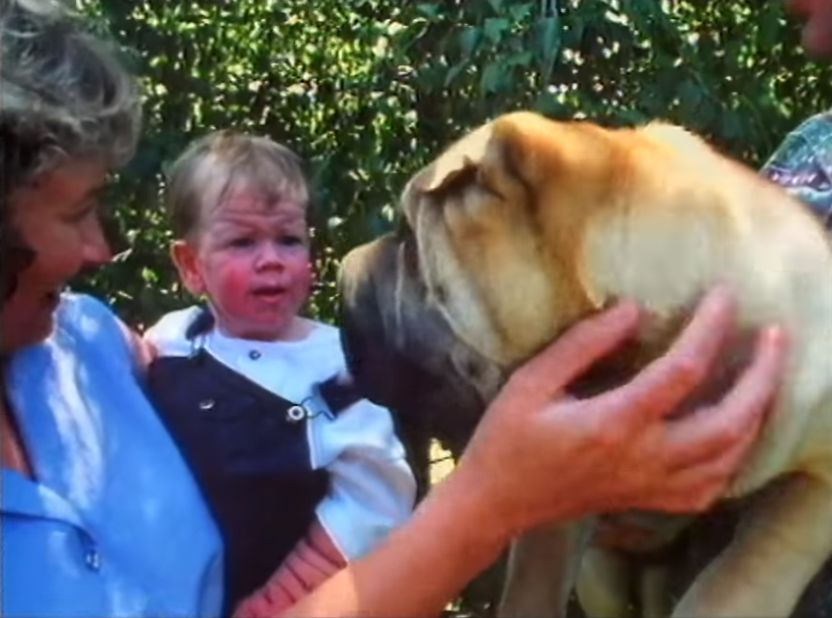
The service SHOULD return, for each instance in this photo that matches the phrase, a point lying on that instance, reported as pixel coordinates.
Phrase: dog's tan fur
(525, 225)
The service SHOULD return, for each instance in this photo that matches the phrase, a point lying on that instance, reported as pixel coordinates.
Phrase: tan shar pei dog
(526, 225)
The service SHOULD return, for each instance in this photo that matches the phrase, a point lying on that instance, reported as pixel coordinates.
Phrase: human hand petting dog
(619, 450)
(540, 456)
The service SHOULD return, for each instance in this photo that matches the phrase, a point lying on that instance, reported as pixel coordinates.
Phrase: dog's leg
(779, 546)
(542, 569)
(604, 584)
(654, 585)
(608, 579)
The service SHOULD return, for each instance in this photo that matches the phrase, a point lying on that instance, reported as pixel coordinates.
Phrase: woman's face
(57, 217)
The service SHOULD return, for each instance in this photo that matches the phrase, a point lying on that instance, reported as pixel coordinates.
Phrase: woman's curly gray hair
(63, 95)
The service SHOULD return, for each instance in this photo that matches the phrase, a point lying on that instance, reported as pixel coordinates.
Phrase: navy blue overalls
(248, 450)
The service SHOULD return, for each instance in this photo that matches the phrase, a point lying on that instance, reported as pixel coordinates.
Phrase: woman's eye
(82, 214)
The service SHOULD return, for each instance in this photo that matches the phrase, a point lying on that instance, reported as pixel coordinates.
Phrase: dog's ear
(488, 159)
(490, 156)
(462, 158)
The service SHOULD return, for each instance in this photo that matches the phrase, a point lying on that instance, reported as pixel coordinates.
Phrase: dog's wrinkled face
(499, 252)
(436, 315)
(400, 350)
(491, 266)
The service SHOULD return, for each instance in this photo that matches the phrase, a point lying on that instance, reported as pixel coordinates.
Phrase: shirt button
(93, 560)
(254, 355)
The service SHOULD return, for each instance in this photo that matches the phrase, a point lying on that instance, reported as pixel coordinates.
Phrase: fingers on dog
(663, 385)
(703, 484)
(724, 433)
(695, 490)
(759, 382)
(577, 350)
(705, 435)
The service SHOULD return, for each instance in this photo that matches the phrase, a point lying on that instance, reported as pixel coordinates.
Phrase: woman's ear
(186, 260)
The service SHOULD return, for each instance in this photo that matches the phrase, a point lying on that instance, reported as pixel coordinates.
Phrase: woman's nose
(96, 249)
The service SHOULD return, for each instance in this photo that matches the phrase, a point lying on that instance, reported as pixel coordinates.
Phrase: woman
(100, 515)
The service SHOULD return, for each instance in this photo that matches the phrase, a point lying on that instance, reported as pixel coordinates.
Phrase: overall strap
(335, 395)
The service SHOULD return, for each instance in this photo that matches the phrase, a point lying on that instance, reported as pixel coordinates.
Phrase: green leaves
(367, 91)
(495, 29)
(549, 36)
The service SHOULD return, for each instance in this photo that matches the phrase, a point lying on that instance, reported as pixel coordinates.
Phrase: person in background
(803, 162)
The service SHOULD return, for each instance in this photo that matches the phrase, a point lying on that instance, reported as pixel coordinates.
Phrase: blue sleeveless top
(113, 523)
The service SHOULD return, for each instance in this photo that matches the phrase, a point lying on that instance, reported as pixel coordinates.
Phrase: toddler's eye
(240, 242)
(290, 241)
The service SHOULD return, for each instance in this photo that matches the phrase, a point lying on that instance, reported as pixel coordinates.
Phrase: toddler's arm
(372, 489)
(313, 560)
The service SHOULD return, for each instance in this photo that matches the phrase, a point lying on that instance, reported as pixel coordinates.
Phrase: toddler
(300, 475)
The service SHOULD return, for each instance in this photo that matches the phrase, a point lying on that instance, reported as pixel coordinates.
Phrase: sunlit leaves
(366, 91)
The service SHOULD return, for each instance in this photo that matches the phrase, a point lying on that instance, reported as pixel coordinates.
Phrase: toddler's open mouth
(271, 291)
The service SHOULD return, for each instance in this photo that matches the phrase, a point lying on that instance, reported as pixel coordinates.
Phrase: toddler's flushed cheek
(256, 306)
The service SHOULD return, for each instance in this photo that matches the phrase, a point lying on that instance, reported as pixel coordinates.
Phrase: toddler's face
(251, 258)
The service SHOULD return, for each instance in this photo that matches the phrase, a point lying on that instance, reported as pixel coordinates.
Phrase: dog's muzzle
(401, 352)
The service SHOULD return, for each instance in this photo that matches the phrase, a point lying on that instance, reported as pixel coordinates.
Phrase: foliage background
(368, 91)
